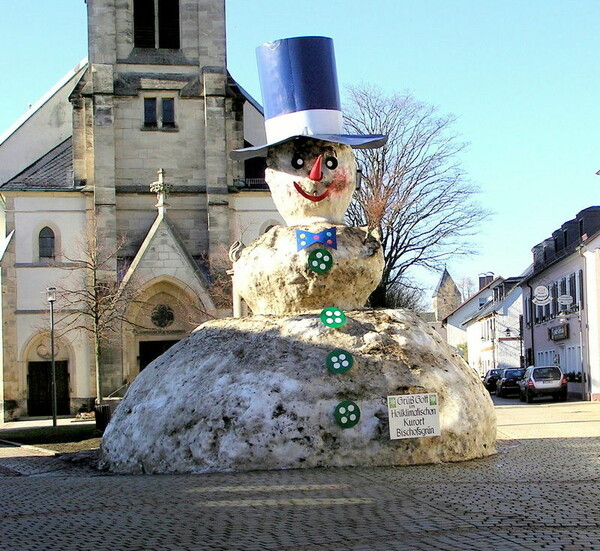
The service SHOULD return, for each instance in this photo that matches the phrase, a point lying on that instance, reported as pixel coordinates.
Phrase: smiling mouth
(313, 198)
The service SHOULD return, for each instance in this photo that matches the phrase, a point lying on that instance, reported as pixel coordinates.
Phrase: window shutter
(150, 118)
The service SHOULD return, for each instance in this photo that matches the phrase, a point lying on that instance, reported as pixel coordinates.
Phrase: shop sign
(541, 296)
(559, 332)
(565, 300)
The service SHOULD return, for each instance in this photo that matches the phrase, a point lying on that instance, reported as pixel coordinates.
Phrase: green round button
(339, 361)
(347, 414)
(320, 261)
(333, 317)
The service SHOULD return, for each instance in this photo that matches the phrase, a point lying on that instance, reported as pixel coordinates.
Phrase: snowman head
(311, 180)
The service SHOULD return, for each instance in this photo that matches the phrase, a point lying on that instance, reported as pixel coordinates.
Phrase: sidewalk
(34, 423)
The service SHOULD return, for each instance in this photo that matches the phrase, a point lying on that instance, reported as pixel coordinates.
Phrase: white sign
(541, 296)
(413, 415)
(566, 300)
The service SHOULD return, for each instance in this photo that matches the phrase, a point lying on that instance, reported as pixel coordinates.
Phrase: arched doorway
(39, 378)
(164, 313)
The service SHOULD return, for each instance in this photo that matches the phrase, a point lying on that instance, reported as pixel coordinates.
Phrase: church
(117, 190)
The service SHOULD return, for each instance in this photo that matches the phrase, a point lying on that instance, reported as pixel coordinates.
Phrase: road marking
(292, 501)
(282, 488)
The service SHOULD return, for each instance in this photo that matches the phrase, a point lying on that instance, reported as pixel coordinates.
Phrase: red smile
(313, 198)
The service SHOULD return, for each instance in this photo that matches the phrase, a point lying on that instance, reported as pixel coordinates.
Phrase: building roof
(491, 284)
(44, 99)
(51, 172)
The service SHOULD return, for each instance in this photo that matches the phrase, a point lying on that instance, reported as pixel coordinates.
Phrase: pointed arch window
(46, 243)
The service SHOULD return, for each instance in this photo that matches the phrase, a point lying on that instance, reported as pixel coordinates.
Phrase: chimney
(485, 279)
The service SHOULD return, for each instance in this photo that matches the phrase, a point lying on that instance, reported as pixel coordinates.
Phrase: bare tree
(405, 294)
(92, 298)
(414, 192)
(467, 287)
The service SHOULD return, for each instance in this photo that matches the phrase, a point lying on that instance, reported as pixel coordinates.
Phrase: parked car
(508, 382)
(490, 378)
(546, 380)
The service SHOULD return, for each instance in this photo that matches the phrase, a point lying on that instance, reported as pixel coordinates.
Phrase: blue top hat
(298, 80)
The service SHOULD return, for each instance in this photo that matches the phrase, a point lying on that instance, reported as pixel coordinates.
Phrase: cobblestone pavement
(536, 493)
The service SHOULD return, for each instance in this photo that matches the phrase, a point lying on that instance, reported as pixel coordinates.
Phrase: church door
(150, 350)
(39, 382)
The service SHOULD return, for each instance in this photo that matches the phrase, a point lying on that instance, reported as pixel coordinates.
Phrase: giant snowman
(311, 379)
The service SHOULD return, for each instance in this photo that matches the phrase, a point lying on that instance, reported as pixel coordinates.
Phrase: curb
(34, 448)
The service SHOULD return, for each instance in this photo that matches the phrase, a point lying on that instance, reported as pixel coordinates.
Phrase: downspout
(584, 375)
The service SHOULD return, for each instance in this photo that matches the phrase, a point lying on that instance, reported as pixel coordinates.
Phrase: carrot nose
(315, 172)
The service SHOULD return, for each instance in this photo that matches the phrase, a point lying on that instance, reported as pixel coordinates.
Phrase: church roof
(51, 172)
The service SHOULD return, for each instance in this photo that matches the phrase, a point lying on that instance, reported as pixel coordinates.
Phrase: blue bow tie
(326, 237)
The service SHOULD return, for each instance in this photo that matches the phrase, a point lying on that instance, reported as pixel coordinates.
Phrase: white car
(547, 380)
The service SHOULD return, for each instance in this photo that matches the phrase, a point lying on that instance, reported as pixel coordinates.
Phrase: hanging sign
(565, 300)
(541, 296)
(413, 415)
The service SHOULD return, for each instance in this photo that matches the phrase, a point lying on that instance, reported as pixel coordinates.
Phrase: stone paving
(538, 492)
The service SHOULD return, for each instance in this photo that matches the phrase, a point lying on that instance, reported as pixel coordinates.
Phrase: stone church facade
(150, 116)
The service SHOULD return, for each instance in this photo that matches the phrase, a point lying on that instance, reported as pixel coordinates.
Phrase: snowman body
(317, 261)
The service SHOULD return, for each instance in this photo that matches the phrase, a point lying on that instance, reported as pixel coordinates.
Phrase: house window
(46, 243)
(156, 24)
(159, 113)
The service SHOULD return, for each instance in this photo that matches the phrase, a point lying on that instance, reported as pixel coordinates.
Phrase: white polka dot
(326, 258)
(323, 266)
(342, 410)
(329, 313)
(318, 255)
(334, 358)
(344, 420)
(342, 356)
(346, 363)
(329, 320)
(315, 263)
(350, 408)
(303, 243)
(353, 417)
(337, 313)
(338, 320)
(336, 365)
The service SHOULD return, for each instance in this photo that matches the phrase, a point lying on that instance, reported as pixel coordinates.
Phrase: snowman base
(258, 393)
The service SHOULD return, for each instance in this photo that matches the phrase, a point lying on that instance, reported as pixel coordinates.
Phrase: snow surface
(255, 393)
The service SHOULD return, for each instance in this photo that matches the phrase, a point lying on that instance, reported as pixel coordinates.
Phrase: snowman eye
(297, 162)
(331, 163)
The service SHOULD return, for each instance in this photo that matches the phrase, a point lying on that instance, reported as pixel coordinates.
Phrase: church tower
(446, 296)
(156, 95)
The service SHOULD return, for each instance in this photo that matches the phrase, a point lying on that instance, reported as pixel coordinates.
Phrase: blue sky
(521, 76)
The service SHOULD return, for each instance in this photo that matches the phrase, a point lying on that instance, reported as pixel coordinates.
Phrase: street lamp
(51, 297)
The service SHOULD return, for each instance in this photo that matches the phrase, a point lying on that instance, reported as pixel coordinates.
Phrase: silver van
(547, 380)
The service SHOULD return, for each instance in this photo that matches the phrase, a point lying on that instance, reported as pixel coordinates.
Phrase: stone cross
(162, 189)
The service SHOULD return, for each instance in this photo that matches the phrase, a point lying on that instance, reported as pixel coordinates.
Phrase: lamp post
(51, 297)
